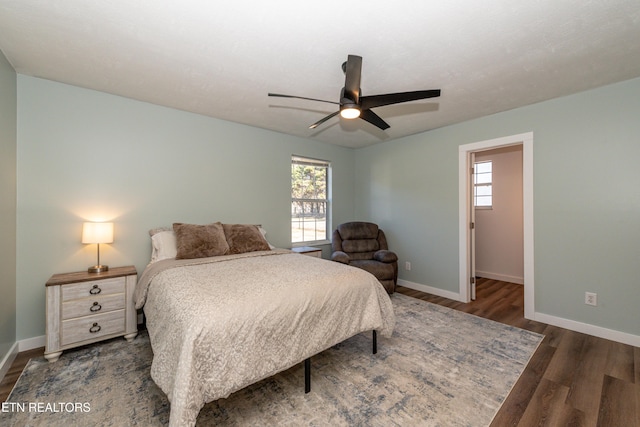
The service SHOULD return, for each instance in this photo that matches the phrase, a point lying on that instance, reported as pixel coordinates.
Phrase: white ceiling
(221, 59)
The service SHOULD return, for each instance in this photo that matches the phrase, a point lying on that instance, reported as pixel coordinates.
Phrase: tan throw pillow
(244, 238)
(200, 241)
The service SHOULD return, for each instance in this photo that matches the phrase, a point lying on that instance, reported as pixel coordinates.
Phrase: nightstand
(308, 250)
(83, 308)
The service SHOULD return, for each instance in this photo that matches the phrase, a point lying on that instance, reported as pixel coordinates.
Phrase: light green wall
(8, 95)
(89, 155)
(586, 201)
(83, 154)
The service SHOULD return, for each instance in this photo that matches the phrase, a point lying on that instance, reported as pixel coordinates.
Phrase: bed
(218, 324)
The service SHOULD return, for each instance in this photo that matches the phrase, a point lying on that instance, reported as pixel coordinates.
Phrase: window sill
(311, 243)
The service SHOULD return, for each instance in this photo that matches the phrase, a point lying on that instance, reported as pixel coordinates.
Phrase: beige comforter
(219, 324)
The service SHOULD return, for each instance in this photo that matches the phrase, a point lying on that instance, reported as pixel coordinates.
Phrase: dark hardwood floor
(573, 379)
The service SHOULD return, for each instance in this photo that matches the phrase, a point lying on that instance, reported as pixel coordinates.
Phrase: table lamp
(97, 232)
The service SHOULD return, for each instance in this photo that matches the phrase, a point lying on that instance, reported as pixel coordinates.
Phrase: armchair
(364, 245)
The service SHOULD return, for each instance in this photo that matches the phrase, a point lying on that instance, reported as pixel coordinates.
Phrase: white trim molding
(31, 343)
(429, 290)
(17, 347)
(502, 277)
(586, 328)
(8, 359)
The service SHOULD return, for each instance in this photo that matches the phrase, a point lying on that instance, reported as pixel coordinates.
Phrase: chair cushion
(358, 230)
(361, 255)
(364, 245)
(385, 256)
(380, 270)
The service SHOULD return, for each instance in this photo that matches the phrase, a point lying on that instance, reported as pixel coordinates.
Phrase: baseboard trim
(430, 290)
(502, 277)
(586, 328)
(41, 341)
(572, 325)
(31, 343)
(8, 360)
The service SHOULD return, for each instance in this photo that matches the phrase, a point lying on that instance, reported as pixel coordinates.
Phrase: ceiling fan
(353, 104)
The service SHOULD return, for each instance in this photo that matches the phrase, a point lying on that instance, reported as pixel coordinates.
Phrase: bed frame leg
(307, 375)
(307, 364)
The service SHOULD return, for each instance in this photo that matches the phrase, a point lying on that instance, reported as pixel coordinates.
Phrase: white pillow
(264, 234)
(163, 246)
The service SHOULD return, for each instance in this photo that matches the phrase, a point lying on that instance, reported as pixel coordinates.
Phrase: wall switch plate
(591, 298)
(407, 265)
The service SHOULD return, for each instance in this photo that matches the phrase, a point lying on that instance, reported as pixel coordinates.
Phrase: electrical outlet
(407, 265)
(591, 298)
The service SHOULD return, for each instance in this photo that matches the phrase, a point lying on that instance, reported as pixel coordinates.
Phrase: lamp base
(98, 269)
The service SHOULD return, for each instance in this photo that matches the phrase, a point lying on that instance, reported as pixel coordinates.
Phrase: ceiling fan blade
(322, 120)
(301, 97)
(374, 119)
(373, 101)
(352, 71)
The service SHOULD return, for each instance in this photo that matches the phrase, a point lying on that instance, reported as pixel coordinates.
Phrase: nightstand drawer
(89, 306)
(93, 288)
(92, 327)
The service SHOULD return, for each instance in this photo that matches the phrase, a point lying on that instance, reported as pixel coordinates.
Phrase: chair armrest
(385, 256)
(340, 257)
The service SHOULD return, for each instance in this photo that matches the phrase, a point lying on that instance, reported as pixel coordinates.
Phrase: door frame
(464, 208)
(472, 220)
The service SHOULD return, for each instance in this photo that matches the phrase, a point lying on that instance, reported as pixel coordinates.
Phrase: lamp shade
(97, 232)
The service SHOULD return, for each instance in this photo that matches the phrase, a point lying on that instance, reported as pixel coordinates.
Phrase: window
(309, 200)
(482, 185)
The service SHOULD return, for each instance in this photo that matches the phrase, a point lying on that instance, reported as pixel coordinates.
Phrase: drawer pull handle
(95, 307)
(95, 328)
(95, 290)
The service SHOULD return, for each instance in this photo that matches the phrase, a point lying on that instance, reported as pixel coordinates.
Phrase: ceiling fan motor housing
(349, 108)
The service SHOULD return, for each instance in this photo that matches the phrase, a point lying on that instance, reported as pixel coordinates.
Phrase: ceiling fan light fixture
(350, 112)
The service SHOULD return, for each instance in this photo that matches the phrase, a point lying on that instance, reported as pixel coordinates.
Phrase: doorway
(466, 212)
(498, 215)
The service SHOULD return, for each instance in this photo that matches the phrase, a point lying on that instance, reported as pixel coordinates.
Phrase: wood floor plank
(616, 409)
(553, 335)
(563, 369)
(518, 400)
(620, 362)
(547, 406)
(586, 388)
(636, 358)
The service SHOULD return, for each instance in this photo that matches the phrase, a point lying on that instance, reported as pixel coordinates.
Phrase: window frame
(316, 163)
(488, 184)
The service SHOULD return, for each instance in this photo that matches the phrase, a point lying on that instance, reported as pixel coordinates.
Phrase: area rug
(441, 367)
